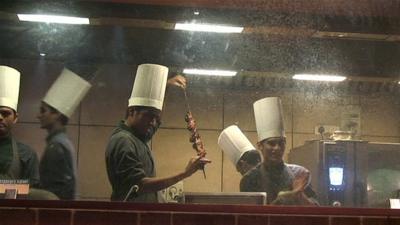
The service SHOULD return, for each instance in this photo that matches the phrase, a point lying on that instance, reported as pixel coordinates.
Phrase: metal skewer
(189, 111)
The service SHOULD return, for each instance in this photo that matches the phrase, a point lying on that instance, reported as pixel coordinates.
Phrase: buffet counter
(28, 212)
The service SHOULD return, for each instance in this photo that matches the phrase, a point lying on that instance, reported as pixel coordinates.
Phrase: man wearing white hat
(17, 161)
(286, 184)
(58, 164)
(129, 160)
(239, 149)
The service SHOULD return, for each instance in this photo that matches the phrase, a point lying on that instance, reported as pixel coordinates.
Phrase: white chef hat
(9, 87)
(67, 92)
(234, 143)
(269, 118)
(149, 86)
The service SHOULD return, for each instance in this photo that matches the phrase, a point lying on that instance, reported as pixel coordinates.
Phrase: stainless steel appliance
(351, 173)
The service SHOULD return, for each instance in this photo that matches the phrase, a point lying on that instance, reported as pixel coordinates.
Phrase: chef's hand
(293, 198)
(177, 80)
(194, 164)
(300, 182)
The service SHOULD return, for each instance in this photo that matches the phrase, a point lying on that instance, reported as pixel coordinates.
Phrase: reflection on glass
(359, 41)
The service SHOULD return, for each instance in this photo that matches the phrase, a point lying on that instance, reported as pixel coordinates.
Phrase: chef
(17, 160)
(129, 160)
(238, 149)
(58, 164)
(285, 184)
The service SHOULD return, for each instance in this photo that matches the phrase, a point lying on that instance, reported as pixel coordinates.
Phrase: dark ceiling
(356, 38)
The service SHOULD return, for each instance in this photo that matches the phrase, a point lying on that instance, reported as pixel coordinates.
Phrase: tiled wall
(50, 216)
(214, 109)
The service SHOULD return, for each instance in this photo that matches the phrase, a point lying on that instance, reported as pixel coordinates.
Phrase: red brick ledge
(198, 208)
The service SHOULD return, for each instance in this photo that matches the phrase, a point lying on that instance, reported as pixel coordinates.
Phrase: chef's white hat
(269, 118)
(149, 87)
(9, 87)
(234, 143)
(67, 92)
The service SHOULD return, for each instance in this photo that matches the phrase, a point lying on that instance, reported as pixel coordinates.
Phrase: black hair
(252, 157)
(130, 109)
(137, 108)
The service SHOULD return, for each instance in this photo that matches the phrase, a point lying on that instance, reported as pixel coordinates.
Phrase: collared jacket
(273, 180)
(128, 161)
(21, 162)
(58, 166)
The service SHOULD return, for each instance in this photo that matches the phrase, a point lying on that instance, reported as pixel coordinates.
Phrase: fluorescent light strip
(208, 28)
(225, 73)
(53, 19)
(319, 77)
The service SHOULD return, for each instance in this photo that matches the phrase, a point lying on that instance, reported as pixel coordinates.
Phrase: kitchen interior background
(216, 103)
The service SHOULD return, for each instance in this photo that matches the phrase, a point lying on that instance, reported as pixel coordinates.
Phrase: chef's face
(273, 149)
(47, 116)
(146, 121)
(8, 118)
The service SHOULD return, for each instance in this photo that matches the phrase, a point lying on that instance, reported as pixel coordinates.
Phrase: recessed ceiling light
(208, 28)
(210, 72)
(53, 19)
(42, 54)
(319, 77)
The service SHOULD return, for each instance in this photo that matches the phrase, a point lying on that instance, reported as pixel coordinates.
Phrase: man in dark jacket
(285, 184)
(17, 160)
(129, 160)
(58, 173)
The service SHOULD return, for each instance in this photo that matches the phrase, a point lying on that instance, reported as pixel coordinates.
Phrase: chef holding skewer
(129, 160)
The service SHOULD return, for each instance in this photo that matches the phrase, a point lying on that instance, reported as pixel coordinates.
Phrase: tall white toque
(269, 118)
(9, 87)
(67, 92)
(149, 86)
(234, 143)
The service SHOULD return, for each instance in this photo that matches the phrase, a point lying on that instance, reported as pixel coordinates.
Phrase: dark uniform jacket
(23, 165)
(272, 180)
(128, 161)
(58, 166)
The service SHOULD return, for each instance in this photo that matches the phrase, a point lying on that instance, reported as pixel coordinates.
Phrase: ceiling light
(208, 28)
(196, 13)
(225, 73)
(42, 54)
(53, 19)
(319, 77)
